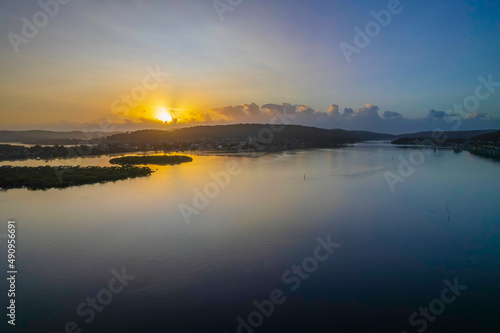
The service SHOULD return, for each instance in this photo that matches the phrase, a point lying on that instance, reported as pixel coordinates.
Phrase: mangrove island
(46, 177)
(157, 160)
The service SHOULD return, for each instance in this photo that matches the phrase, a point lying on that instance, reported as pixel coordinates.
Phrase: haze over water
(396, 249)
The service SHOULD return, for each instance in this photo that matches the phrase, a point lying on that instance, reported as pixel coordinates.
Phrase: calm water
(396, 249)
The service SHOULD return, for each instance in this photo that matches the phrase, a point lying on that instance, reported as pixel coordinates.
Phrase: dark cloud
(392, 115)
(334, 110)
(348, 112)
(436, 114)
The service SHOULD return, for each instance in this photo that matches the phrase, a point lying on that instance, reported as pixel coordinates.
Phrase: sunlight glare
(164, 115)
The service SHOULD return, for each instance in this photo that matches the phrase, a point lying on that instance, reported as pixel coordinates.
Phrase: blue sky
(428, 57)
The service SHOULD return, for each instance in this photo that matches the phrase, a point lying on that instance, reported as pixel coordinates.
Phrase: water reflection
(397, 248)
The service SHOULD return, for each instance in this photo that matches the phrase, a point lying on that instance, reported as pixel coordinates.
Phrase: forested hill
(465, 135)
(280, 134)
(495, 137)
(47, 137)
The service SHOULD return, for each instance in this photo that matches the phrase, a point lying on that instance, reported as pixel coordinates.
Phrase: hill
(465, 135)
(48, 137)
(238, 133)
(309, 136)
(495, 137)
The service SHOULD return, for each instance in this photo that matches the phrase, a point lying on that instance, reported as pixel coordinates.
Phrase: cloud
(366, 118)
(477, 115)
(246, 113)
(436, 114)
(334, 110)
(392, 115)
(348, 112)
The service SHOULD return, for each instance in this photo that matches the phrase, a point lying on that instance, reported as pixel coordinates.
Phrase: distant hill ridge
(466, 135)
(495, 137)
(242, 132)
(45, 137)
(237, 132)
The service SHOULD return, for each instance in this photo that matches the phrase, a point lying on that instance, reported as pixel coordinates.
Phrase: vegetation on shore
(489, 154)
(19, 153)
(158, 160)
(476, 146)
(490, 137)
(46, 177)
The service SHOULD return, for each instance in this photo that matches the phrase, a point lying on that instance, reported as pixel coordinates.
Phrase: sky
(76, 64)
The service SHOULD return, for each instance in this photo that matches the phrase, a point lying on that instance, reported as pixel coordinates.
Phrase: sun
(164, 115)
